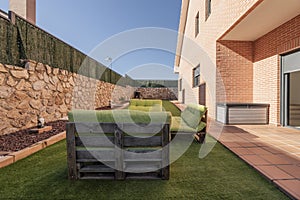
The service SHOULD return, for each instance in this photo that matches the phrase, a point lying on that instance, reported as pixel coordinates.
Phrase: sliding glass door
(290, 90)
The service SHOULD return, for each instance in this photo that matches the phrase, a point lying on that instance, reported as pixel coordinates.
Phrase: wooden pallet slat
(115, 154)
(71, 153)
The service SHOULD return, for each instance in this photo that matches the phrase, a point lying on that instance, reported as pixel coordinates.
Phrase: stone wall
(49, 92)
(159, 93)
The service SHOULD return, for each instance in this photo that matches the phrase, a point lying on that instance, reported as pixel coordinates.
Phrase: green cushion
(145, 105)
(179, 125)
(192, 114)
(119, 116)
(155, 108)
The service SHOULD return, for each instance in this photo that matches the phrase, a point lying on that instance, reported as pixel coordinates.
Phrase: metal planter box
(243, 113)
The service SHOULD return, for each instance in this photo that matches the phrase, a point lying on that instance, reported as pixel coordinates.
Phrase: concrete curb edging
(16, 156)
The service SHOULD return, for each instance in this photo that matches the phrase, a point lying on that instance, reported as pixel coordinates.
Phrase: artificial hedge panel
(10, 50)
(26, 41)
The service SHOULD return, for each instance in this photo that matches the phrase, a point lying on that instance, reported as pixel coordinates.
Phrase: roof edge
(181, 30)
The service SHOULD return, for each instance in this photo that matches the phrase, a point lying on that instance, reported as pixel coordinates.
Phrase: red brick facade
(235, 65)
(250, 71)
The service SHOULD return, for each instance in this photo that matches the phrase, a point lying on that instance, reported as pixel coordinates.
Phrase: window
(180, 84)
(208, 9)
(197, 25)
(196, 76)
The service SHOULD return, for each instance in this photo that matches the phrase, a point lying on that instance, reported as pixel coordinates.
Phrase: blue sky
(86, 24)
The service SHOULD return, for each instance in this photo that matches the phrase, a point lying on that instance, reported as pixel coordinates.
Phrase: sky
(88, 24)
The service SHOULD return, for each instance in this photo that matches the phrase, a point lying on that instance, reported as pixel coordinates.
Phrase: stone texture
(45, 102)
(34, 95)
(159, 93)
(50, 110)
(13, 114)
(24, 105)
(20, 95)
(5, 92)
(11, 82)
(2, 79)
(55, 71)
(48, 69)
(51, 92)
(54, 80)
(23, 85)
(36, 104)
(30, 66)
(46, 78)
(5, 105)
(40, 76)
(60, 88)
(46, 94)
(40, 67)
(39, 85)
(20, 74)
(2, 69)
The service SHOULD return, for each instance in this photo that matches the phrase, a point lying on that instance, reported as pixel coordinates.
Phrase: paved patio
(273, 151)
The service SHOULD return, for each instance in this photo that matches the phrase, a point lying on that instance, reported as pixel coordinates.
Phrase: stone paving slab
(291, 187)
(254, 160)
(275, 159)
(291, 169)
(273, 172)
(271, 151)
(242, 151)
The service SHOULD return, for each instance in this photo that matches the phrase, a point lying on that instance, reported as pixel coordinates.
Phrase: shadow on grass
(221, 175)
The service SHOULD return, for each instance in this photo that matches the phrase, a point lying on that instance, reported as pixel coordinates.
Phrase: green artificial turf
(221, 175)
(170, 107)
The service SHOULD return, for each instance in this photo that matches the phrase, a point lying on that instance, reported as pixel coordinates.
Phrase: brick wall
(266, 85)
(224, 14)
(266, 65)
(250, 71)
(280, 40)
(235, 67)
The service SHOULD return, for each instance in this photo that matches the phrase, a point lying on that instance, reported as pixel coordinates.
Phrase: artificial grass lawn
(221, 175)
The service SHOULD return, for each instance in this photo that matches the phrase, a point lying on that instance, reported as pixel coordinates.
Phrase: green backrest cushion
(145, 105)
(192, 114)
(179, 125)
(119, 116)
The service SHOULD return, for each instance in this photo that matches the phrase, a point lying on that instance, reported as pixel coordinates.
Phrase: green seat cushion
(192, 114)
(119, 116)
(179, 125)
(155, 108)
(145, 105)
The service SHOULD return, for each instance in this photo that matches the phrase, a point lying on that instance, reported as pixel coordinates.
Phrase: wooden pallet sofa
(193, 119)
(118, 144)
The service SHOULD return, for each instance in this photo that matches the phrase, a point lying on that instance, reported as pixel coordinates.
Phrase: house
(247, 52)
(24, 8)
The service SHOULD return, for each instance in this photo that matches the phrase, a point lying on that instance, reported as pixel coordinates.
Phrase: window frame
(196, 77)
(208, 9)
(180, 84)
(197, 24)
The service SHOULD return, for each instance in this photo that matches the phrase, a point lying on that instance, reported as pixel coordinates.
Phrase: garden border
(19, 155)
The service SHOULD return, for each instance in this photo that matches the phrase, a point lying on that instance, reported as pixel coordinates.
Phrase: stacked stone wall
(41, 90)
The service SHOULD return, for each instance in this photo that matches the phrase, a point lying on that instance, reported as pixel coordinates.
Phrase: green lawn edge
(221, 175)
